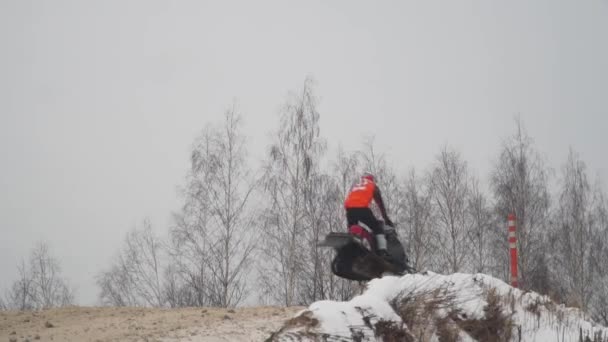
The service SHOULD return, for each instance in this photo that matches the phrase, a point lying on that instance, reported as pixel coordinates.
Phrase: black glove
(389, 222)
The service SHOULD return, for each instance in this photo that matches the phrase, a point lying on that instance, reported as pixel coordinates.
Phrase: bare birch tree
(116, 285)
(418, 225)
(21, 295)
(346, 170)
(323, 211)
(293, 159)
(519, 184)
(598, 305)
(50, 289)
(188, 277)
(176, 293)
(40, 284)
(134, 278)
(576, 232)
(212, 242)
(232, 238)
(450, 180)
(481, 225)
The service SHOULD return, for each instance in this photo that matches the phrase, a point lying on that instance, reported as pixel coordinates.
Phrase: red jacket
(361, 194)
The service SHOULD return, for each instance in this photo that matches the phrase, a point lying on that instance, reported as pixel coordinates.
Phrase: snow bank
(433, 307)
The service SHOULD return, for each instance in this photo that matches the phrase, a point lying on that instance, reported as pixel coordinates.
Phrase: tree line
(244, 233)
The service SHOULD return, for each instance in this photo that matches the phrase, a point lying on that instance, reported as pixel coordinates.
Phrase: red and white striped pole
(513, 249)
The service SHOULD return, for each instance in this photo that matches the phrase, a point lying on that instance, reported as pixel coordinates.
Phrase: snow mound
(435, 307)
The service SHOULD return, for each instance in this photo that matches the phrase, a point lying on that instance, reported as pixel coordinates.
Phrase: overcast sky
(101, 100)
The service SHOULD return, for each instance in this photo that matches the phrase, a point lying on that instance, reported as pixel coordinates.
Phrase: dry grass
(535, 306)
(436, 314)
(419, 312)
(597, 336)
(305, 320)
(447, 330)
(495, 326)
(390, 331)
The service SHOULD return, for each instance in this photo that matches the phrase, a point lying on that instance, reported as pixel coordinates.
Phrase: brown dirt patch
(144, 324)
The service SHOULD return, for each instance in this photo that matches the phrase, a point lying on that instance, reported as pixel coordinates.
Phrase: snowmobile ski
(336, 240)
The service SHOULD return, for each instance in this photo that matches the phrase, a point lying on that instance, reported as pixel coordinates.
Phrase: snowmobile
(356, 257)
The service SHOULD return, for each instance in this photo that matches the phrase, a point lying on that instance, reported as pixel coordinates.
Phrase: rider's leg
(367, 217)
(352, 216)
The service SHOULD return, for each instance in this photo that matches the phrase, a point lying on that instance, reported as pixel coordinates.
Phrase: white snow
(534, 317)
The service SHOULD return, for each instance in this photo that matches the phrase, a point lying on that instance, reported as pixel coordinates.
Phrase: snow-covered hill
(434, 307)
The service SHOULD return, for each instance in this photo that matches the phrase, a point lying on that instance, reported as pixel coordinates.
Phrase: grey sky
(100, 100)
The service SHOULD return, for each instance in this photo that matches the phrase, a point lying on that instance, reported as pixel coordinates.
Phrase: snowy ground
(433, 307)
(139, 324)
(420, 307)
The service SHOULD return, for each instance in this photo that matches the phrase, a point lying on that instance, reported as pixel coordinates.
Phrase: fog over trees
(249, 235)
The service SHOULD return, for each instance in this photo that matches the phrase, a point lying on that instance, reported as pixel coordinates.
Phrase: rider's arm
(380, 203)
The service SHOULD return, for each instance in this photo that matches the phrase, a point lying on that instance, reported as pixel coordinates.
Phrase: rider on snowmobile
(357, 208)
